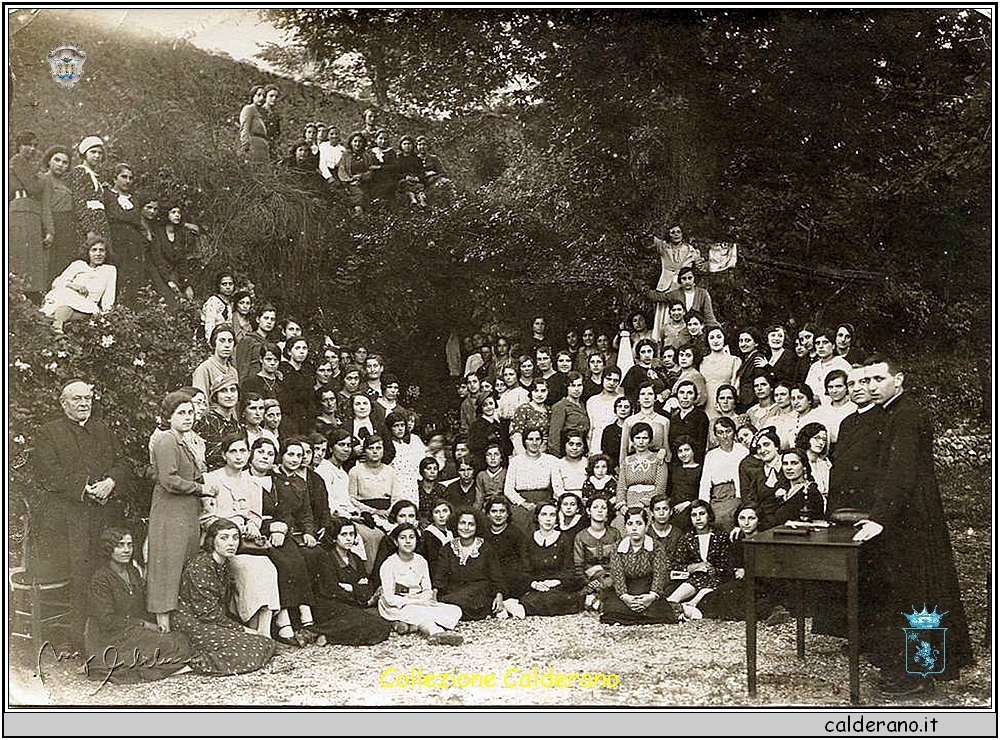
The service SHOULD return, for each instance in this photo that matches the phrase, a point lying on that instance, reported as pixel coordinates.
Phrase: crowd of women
(81, 244)
(295, 502)
(366, 166)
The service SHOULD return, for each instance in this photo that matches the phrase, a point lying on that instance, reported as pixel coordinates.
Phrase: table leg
(800, 620)
(751, 617)
(853, 636)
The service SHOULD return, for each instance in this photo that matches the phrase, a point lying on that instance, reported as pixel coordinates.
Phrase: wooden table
(826, 555)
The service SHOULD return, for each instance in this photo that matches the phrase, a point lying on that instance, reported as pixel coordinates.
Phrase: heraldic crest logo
(66, 61)
(925, 642)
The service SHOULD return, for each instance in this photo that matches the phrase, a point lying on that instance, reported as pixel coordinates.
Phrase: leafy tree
(432, 60)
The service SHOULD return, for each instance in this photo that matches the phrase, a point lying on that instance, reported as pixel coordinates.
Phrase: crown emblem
(924, 619)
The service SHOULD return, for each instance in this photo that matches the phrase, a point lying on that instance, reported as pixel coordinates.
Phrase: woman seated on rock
(467, 573)
(407, 598)
(639, 571)
(84, 289)
(343, 594)
(118, 628)
(221, 644)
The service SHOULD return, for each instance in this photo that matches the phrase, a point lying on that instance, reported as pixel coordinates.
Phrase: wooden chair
(38, 607)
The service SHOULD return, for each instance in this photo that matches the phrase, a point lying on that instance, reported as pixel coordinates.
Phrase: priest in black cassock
(913, 560)
(82, 476)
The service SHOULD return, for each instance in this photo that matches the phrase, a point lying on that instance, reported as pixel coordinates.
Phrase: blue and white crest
(926, 647)
(66, 61)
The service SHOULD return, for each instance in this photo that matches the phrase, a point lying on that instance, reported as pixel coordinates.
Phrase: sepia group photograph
(564, 364)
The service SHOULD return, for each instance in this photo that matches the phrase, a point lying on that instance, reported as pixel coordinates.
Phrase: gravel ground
(662, 665)
(693, 664)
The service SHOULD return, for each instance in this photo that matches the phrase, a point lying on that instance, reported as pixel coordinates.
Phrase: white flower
(61, 355)
(19, 439)
(51, 367)
(46, 353)
(22, 366)
(107, 340)
(139, 362)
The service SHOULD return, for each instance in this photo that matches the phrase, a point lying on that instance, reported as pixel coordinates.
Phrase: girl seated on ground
(222, 646)
(550, 574)
(705, 554)
(343, 593)
(118, 619)
(407, 599)
(639, 571)
(468, 573)
(592, 550)
(84, 289)
(728, 601)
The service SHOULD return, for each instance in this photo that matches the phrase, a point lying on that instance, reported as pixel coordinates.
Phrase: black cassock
(912, 557)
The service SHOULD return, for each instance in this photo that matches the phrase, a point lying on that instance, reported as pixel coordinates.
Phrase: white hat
(89, 143)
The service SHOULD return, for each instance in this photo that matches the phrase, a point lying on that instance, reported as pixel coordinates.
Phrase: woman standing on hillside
(88, 191)
(272, 121)
(253, 130)
(125, 223)
(57, 209)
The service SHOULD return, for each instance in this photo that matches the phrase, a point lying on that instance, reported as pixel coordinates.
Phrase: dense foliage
(130, 355)
(836, 139)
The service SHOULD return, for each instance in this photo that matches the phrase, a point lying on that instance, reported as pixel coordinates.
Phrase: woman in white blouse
(84, 289)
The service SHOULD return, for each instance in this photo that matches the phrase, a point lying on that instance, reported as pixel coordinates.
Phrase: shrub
(133, 356)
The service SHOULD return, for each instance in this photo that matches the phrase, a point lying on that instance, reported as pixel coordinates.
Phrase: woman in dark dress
(467, 572)
(438, 534)
(58, 221)
(118, 630)
(291, 524)
(509, 545)
(173, 255)
(296, 391)
(797, 496)
(222, 646)
(462, 492)
(550, 574)
(639, 571)
(343, 594)
(127, 237)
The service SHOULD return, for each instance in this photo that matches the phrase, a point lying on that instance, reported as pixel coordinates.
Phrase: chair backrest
(19, 532)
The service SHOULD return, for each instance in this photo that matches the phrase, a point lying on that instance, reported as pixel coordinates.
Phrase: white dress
(255, 577)
(401, 578)
(100, 283)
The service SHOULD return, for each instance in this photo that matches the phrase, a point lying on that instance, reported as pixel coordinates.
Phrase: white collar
(625, 545)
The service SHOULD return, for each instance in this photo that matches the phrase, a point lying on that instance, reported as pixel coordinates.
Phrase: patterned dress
(221, 646)
(637, 572)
